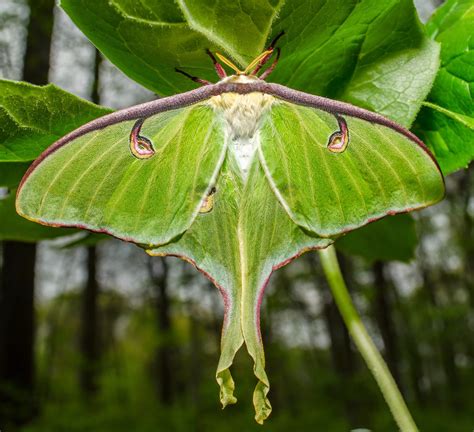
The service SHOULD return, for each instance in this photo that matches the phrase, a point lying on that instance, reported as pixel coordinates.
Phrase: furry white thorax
(242, 114)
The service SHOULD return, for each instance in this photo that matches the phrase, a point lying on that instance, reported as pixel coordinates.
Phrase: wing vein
(386, 162)
(409, 163)
(156, 171)
(63, 168)
(327, 169)
(83, 174)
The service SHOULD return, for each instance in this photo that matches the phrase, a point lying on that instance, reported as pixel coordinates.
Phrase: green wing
(95, 182)
(238, 245)
(329, 188)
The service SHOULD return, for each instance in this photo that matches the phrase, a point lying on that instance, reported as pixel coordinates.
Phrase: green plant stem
(364, 343)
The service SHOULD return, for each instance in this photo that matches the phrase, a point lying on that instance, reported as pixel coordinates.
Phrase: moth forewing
(94, 180)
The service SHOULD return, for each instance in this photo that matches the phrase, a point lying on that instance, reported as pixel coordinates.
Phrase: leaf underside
(380, 241)
(370, 53)
(16, 228)
(298, 196)
(31, 119)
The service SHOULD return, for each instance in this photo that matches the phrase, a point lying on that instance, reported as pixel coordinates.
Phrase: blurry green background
(123, 342)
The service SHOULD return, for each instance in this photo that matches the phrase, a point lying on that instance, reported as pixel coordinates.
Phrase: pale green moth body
(242, 114)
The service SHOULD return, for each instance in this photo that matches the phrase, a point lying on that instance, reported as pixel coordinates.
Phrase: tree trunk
(415, 362)
(346, 362)
(196, 367)
(446, 348)
(384, 316)
(466, 234)
(90, 328)
(17, 379)
(95, 93)
(341, 352)
(40, 29)
(18, 401)
(89, 343)
(159, 277)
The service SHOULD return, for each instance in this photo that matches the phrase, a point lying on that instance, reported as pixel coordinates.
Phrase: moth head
(254, 66)
(251, 71)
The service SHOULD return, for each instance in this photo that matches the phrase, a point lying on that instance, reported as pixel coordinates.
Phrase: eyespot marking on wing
(141, 147)
(208, 203)
(339, 140)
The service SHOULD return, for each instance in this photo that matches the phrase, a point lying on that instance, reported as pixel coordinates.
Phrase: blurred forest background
(105, 338)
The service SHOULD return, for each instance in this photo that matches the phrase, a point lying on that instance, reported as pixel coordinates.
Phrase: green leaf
(11, 173)
(14, 227)
(148, 40)
(240, 28)
(446, 123)
(389, 239)
(151, 10)
(370, 53)
(238, 245)
(373, 54)
(88, 239)
(464, 120)
(33, 117)
(146, 43)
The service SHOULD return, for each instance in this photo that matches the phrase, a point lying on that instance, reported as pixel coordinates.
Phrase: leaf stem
(364, 343)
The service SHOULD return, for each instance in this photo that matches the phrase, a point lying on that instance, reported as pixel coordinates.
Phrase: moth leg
(339, 140)
(221, 73)
(208, 203)
(141, 147)
(272, 66)
(193, 78)
(270, 49)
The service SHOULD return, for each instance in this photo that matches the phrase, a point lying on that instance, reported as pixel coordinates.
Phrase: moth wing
(327, 187)
(95, 182)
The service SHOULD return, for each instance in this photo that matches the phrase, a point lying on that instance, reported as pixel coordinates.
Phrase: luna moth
(239, 178)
